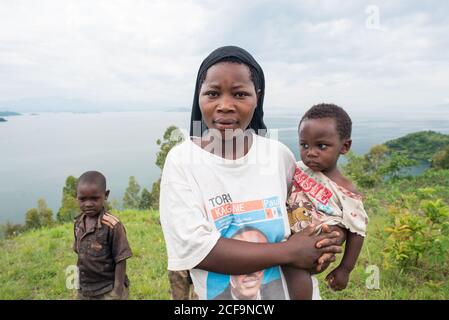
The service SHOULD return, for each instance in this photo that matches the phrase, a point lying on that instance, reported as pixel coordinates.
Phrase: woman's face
(228, 97)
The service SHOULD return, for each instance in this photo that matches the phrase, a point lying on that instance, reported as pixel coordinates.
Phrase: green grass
(32, 265)
(393, 285)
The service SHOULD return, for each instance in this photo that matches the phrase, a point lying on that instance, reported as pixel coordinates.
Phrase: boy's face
(91, 198)
(320, 144)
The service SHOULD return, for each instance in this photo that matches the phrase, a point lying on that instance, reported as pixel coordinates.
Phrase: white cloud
(147, 53)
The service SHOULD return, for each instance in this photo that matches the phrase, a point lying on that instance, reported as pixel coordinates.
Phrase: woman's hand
(303, 247)
(326, 258)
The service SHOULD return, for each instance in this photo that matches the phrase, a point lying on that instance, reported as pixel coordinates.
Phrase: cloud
(146, 53)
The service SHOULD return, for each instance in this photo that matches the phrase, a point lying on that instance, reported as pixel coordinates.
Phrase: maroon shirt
(99, 250)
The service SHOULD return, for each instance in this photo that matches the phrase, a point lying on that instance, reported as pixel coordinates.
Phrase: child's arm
(299, 281)
(120, 274)
(339, 277)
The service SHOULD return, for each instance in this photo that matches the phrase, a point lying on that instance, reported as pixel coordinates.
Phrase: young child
(100, 242)
(320, 194)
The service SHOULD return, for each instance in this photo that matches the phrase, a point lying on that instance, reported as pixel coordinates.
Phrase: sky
(116, 55)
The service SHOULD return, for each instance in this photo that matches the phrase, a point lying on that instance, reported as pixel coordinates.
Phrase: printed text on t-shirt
(304, 183)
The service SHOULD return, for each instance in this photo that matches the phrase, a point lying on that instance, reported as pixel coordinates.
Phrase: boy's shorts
(111, 295)
(181, 286)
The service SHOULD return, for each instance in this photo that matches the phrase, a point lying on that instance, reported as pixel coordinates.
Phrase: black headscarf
(234, 53)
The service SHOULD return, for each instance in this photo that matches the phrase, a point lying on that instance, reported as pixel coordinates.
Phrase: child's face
(320, 144)
(228, 97)
(91, 198)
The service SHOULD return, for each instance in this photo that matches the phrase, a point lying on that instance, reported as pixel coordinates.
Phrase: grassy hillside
(32, 265)
(425, 281)
(419, 145)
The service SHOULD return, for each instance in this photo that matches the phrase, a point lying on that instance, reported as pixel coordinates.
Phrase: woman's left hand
(327, 258)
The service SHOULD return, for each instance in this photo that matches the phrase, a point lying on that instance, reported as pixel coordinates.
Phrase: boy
(100, 242)
(320, 194)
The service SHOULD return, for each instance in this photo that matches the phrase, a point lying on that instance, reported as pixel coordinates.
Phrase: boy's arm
(339, 277)
(353, 247)
(120, 274)
(74, 239)
(120, 252)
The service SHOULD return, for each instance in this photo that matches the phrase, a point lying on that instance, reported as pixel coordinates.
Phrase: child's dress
(314, 198)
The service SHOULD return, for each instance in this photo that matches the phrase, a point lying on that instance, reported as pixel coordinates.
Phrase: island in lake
(9, 114)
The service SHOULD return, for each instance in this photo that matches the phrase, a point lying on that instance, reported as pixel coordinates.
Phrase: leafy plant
(441, 159)
(418, 235)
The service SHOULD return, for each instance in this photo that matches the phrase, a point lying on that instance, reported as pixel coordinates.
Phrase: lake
(38, 152)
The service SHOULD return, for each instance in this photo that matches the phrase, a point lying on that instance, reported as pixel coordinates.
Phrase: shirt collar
(100, 217)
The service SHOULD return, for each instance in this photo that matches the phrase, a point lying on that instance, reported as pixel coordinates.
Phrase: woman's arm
(230, 256)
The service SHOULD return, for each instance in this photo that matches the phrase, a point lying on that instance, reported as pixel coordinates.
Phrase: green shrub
(419, 234)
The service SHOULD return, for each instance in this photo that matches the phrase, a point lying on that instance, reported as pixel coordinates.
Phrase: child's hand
(338, 278)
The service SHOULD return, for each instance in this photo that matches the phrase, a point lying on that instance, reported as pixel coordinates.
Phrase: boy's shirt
(314, 198)
(99, 250)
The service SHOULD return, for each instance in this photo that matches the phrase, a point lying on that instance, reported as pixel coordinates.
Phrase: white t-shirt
(205, 197)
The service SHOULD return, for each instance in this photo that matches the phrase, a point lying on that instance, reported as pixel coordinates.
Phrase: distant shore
(9, 114)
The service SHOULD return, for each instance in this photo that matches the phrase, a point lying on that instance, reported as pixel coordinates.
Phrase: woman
(226, 177)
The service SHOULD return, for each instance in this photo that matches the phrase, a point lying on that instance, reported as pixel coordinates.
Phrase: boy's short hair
(93, 177)
(328, 110)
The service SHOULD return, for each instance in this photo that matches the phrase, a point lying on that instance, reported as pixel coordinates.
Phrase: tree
(375, 166)
(69, 205)
(39, 217)
(172, 137)
(112, 204)
(69, 209)
(32, 220)
(70, 186)
(441, 159)
(131, 197)
(155, 193)
(45, 213)
(146, 200)
(9, 230)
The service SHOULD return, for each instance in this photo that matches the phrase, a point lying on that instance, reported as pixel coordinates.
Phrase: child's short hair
(93, 177)
(328, 110)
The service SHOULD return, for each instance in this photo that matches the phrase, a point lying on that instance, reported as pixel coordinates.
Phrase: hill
(419, 146)
(33, 264)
